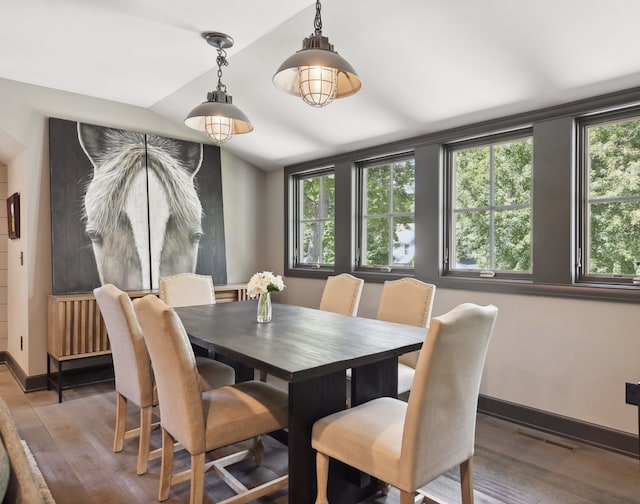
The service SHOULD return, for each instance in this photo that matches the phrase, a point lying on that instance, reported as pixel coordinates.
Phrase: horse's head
(142, 211)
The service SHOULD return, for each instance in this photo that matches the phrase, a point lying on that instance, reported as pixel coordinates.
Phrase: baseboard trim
(27, 383)
(595, 435)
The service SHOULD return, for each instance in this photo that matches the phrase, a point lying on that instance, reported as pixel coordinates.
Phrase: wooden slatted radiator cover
(76, 329)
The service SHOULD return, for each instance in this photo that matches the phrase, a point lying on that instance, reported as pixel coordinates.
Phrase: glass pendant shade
(318, 85)
(318, 75)
(219, 118)
(219, 129)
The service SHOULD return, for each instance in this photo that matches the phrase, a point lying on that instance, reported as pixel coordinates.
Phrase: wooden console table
(75, 329)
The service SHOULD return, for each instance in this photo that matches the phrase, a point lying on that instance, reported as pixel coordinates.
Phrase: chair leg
(121, 421)
(263, 376)
(466, 481)
(166, 466)
(322, 471)
(145, 439)
(197, 479)
(384, 487)
(407, 497)
(258, 450)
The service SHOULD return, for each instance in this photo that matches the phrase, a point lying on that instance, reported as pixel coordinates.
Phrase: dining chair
(408, 444)
(134, 380)
(187, 289)
(204, 421)
(341, 294)
(406, 301)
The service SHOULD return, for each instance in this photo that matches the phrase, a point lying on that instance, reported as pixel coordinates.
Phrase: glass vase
(264, 307)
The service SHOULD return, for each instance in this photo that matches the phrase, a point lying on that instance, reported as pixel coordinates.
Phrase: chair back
(187, 289)
(131, 363)
(176, 374)
(439, 428)
(342, 294)
(407, 301)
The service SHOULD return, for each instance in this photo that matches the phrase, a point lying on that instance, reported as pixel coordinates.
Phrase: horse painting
(141, 208)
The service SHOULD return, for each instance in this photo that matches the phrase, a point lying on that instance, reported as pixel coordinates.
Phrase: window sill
(601, 292)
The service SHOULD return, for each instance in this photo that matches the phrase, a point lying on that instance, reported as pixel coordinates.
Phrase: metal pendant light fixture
(218, 116)
(317, 73)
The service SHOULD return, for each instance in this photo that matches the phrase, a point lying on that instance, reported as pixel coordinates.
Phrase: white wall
(24, 148)
(565, 356)
(4, 243)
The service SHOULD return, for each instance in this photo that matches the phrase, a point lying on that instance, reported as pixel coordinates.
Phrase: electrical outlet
(632, 395)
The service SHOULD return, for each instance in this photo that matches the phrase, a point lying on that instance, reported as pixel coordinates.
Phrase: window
(457, 208)
(489, 219)
(387, 214)
(315, 220)
(609, 249)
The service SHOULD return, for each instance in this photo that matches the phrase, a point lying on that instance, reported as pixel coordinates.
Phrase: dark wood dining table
(311, 350)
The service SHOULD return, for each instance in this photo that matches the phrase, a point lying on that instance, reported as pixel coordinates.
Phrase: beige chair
(342, 294)
(205, 421)
(133, 373)
(406, 301)
(409, 444)
(187, 289)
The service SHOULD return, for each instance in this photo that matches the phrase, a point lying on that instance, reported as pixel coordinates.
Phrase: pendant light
(218, 116)
(317, 73)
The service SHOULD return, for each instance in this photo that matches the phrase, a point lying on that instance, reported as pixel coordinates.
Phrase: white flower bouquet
(264, 282)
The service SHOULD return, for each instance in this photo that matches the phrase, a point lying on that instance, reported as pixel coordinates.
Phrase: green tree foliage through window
(613, 198)
(491, 206)
(388, 220)
(316, 225)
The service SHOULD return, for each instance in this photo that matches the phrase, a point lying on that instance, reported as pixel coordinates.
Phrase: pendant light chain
(221, 60)
(317, 23)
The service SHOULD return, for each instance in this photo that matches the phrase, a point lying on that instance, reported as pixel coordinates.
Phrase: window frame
(449, 150)
(583, 123)
(297, 210)
(361, 166)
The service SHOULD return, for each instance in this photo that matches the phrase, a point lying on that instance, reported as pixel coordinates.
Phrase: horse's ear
(190, 155)
(93, 141)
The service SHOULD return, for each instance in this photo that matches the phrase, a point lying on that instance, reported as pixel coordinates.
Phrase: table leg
(379, 379)
(309, 401)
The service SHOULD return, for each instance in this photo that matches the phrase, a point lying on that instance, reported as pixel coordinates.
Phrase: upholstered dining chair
(187, 289)
(406, 301)
(133, 372)
(204, 421)
(409, 444)
(341, 294)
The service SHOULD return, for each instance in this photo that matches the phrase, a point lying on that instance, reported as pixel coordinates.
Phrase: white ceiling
(426, 65)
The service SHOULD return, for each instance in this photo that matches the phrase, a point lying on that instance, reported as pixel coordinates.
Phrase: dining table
(311, 350)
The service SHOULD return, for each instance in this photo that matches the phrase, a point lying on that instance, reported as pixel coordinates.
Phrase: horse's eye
(94, 236)
(196, 236)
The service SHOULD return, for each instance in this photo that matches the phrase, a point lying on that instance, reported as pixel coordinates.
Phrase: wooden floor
(72, 444)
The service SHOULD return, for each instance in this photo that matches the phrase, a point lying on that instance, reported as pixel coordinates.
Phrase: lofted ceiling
(426, 65)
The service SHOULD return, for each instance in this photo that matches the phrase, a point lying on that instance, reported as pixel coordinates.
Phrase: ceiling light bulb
(219, 129)
(318, 85)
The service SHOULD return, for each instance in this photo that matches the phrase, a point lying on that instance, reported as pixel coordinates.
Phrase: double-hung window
(488, 218)
(314, 217)
(609, 214)
(386, 238)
